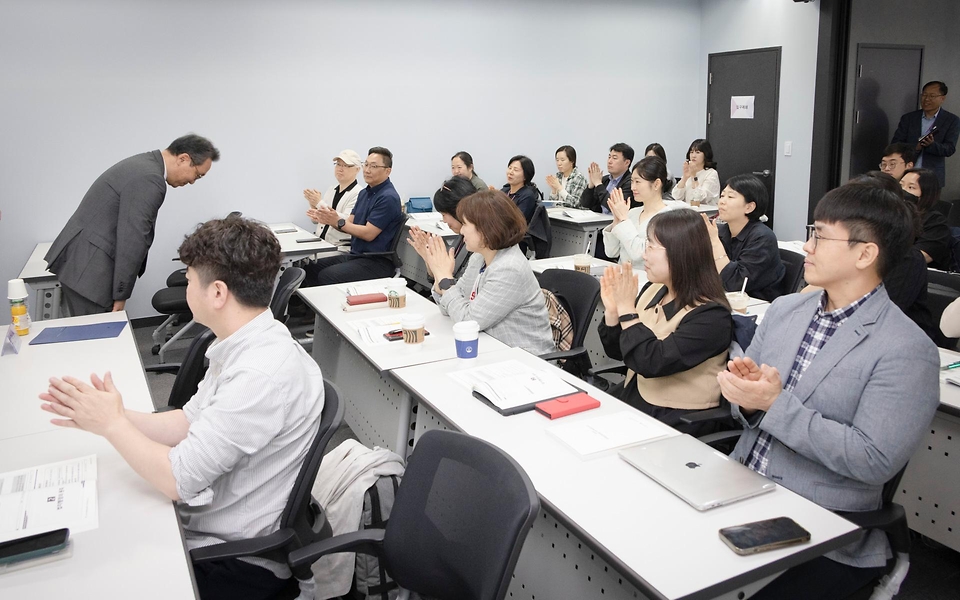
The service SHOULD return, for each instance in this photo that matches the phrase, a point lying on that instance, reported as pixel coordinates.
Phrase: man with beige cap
(340, 198)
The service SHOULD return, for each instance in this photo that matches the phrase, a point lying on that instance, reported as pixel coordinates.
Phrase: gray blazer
(103, 247)
(857, 413)
(509, 304)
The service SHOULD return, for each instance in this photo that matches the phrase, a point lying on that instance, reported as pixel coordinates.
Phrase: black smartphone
(397, 334)
(931, 132)
(761, 536)
(33, 546)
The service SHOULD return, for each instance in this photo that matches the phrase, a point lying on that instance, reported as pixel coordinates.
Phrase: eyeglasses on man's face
(368, 165)
(816, 237)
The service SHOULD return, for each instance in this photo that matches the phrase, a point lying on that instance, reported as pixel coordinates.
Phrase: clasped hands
(323, 214)
(94, 407)
(594, 174)
(553, 182)
(619, 206)
(618, 290)
(439, 259)
(750, 386)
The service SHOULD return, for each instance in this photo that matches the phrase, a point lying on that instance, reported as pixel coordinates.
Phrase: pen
(566, 214)
(953, 365)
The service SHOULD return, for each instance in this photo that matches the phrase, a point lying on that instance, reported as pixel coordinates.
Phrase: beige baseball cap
(350, 157)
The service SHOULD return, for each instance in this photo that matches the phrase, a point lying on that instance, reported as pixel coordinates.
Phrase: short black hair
(386, 154)
(450, 194)
(943, 86)
(753, 190)
(905, 151)
(652, 168)
(570, 152)
(527, 165)
(871, 212)
(243, 254)
(623, 149)
(198, 147)
(703, 146)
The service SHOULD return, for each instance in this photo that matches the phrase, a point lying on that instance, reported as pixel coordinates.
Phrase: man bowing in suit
(838, 387)
(932, 129)
(103, 247)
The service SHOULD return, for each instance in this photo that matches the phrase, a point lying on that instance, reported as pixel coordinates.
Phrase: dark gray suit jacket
(103, 247)
(944, 139)
(855, 416)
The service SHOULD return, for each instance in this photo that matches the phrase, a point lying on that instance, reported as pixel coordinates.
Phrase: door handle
(763, 173)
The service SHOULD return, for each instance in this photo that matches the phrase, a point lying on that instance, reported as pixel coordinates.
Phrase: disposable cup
(738, 301)
(16, 289)
(466, 334)
(412, 326)
(581, 262)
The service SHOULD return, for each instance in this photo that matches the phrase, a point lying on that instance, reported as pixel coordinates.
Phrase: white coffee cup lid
(16, 289)
(412, 321)
(396, 291)
(466, 327)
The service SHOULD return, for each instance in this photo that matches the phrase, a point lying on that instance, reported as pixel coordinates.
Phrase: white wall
(729, 25)
(282, 87)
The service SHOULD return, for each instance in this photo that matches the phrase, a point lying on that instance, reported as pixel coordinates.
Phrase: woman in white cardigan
(626, 237)
(700, 183)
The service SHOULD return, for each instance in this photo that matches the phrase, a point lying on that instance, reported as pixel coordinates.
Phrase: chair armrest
(704, 416)
(164, 368)
(716, 439)
(252, 547)
(365, 541)
(615, 367)
(889, 518)
(562, 354)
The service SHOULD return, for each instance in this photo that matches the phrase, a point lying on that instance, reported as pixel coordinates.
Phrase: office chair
(170, 301)
(793, 277)
(942, 289)
(189, 373)
(289, 281)
(460, 517)
(392, 254)
(539, 236)
(579, 293)
(303, 520)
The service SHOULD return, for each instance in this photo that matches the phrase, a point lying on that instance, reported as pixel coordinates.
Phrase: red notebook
(366, 299)
(567, 405)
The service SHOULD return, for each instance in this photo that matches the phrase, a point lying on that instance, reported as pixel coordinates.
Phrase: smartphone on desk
(761, 536)
(33, 546)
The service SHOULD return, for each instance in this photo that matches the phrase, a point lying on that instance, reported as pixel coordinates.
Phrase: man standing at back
(932, 129)
(375, 222)
(103, 247)
(838, 386)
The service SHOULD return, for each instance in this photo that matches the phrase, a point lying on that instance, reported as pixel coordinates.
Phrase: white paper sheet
(608, 432)
(510, 383)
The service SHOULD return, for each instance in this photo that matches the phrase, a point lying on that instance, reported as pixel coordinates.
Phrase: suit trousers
(80, 305)
(819, 579)
(344, 268)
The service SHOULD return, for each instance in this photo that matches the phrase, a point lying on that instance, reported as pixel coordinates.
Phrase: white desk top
(439, 345)
(949, 393)
(289, 244)
(431, 223)
(578, 216)
(792, 245)
(704, 208)
(35, 267)
(672, 547)
(138, 545)
(566, 262)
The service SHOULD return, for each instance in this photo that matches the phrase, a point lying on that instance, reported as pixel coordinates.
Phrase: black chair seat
(171, 300)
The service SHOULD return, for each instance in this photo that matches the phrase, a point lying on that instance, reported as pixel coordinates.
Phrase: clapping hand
(553, 182)
(618, 289)
(312, 196)
(687, 170)
(618, 205)
(326, 215)
(595, 174)
(438, 258)
(418, 240)
(749, 386)
(93, 407)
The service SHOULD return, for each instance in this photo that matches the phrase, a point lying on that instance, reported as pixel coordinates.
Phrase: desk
(930, 488)
(379, 411)
(412, 266)
(139, 544)
(575, 230)
(46, 287)
(606, 530)
(292, 250)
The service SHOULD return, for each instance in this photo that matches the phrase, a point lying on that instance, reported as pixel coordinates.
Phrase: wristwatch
(341, 223)
(446, 283)
(629, 317)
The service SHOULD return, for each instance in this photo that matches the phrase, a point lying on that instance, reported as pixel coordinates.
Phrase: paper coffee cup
(412, 326)
(695, 202)
(581, 262)
(16, 289)
(397, 297)
(466, 334)
(738, 301)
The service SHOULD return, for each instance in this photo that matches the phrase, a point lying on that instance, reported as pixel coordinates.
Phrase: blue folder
(76, 333)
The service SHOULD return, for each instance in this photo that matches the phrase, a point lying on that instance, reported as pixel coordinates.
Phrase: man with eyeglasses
(932, 130)
(103, 247)
(897, 158)
(838, 386)
(372, 227)
(341, 197)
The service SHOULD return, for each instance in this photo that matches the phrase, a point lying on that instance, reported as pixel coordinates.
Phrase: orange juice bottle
(21, 319)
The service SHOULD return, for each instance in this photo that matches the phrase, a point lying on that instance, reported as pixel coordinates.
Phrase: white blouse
(707, 190)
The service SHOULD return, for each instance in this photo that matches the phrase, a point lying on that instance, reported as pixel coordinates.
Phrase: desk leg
(930, 488)
(46, 301)
(377, 409)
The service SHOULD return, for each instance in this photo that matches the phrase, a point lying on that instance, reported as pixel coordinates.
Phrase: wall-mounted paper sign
(741, 107)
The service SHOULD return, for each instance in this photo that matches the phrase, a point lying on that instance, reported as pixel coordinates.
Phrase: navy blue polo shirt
(380, 206)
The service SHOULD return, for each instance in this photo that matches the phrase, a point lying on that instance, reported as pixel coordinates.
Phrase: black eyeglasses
(816, 237)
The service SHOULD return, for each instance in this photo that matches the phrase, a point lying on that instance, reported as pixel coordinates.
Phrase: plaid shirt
(569, 194)
(822, 327)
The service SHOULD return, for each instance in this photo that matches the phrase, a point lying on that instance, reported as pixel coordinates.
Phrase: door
(743, 98)
(886, 86)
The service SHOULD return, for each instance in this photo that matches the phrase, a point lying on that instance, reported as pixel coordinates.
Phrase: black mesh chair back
(793, 277)
(289, 282)
(580, 294)
(459, 520)
(539, 234)
(192, 370)
(942, 289)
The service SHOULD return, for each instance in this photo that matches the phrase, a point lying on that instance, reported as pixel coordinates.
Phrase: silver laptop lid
(700, 475)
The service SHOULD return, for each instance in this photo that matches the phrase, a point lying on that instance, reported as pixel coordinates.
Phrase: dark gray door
(887, 86)
(745, 145)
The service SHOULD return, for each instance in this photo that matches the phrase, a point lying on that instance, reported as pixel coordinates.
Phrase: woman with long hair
(922, 188)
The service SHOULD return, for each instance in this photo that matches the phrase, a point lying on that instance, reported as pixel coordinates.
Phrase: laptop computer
(700, 475)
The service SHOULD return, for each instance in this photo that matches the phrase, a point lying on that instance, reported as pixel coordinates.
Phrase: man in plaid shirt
(861, 387)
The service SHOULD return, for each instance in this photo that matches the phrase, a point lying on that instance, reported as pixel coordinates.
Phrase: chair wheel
(155, 350)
